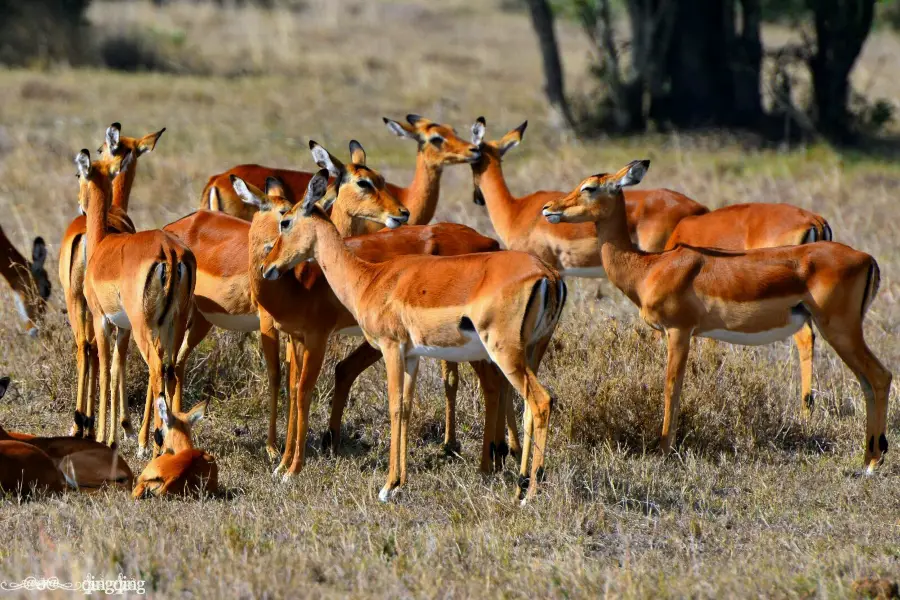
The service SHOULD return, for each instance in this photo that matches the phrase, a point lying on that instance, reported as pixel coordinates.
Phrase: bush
(41, 31)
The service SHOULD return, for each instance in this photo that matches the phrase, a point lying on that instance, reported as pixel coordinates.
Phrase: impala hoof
(142, 452)
(452, 448)
(276, 474)
(273, 453)
(327, 442)
(288, 477)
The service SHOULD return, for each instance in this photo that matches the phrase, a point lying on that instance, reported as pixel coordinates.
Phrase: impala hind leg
(345, 373)
(679, 347)
(268, 340)
(875, 381)
(102, 337)
(117, 401)
(82, 358)
(394, 364)
(450, 377)
(411, 371)
(294, 350)
(313, 357)
(805, 340)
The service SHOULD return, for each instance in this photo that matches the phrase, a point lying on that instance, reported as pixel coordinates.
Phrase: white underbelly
(759, 338)
(119, 319)
(590, 272)
(356, 331)
(472, 350)
(246, 323)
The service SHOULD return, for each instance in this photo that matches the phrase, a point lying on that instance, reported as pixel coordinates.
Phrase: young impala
(760, 225)
(502, 306)
(28, 280)
(180, 469)
(753, 297)
(72, 267)
(142, 282)
(572, 248)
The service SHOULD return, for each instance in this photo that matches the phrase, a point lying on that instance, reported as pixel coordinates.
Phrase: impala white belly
(246, 323)
(354, 331)
(473, 349)
(119, 319)
(589, 272)
(759, 338)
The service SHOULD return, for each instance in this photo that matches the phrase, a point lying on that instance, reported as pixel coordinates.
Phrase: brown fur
(28, 280)
(25, 467)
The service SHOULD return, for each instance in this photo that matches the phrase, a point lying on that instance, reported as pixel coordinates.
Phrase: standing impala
(25, 278)
(751, 298)
(139, 282)
(502, 306)
(72, 267)
(572, 248)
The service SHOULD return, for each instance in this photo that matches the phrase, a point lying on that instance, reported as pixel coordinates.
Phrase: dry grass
(756, 503)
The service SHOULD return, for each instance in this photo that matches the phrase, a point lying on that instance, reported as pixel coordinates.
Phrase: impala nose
(270, 274)
(404, 214)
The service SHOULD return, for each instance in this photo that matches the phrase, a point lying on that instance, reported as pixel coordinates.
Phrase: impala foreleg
(313, 357)
(294, 350)
(679, 346)
(345, 373)
(491, 388)
(537, 422)
(411, 371)
(102, 337)
(450, 377)
(805, 340)
(394, 364)
(268, 340)
(82, 358)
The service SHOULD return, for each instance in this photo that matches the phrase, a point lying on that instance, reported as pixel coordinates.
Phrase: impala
(751, 298)
(25, 278)
(180, 469)
(760, 225)
(571, 248)
(72, 267)
(25, 469)
(139, 282)
(223, 294)
(502, 306)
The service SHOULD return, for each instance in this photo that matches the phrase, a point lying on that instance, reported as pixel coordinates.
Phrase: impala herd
(339, 250)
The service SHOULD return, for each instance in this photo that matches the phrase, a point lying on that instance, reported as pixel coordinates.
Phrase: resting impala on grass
(752, 297)
(571, 248)
(140, 282)
(180, 469)
(322, 312)
(224, 296)
(760, 225)
(501, 306)
(72, 267)
(28, 280)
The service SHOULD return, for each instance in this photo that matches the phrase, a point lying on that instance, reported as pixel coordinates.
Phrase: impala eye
(437, 141)
(590, 189)
(365, 185)
(285, 224)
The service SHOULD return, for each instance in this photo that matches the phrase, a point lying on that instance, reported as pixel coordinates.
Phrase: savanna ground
(757, 502)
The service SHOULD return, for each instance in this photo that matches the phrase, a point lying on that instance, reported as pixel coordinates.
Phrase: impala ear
(113, 133)
(247, 195)
(274, 187)
(83, 163)
(148, 142)
(357, 154)
(414, 120)
(315, 191)
(511, 139)
(400, 130)
(165, 415)
(325, 160)
(4, 385)
(38, 254)
(123, 165)
(197, 413)
(478, 129)
(632, 174)
(215, 202)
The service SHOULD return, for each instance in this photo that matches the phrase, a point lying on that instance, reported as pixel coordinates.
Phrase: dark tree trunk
(554, 87)
(841, 29)
(746, 67)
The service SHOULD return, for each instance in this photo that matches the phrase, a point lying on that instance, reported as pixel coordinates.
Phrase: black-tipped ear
(324, 159)
(274, 187)
(315, 191)
(478, 130)
(357, 153)
(83, 162)
(38, 253)
(412, 119)
(521, 128)
(635, 172)
(4, 385)
(244, 193)
(399, 129)
(113, 132)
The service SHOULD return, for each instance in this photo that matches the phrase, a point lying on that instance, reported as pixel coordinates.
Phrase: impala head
(298, 233)
(491, 151)
(597, 197)
(97, 176)
(270, 206)
(438, 144)
(358, 190)
(119, 147)
(174, 434)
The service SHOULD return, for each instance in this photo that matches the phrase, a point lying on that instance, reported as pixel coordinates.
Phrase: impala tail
(545, 305)
(873, 282)
(172, 280)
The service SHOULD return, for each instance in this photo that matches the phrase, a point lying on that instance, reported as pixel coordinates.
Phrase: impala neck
(347, 274)
(497, 197)
(421, 197)
(623, 262)
(98, 209)
(348, 225)
(121, 187)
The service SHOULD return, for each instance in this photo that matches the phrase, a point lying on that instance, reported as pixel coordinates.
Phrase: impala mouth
(553, 217)
(395, 222)
(270, 274)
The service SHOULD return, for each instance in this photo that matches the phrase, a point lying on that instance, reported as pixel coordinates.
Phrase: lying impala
(323, 313)
(180, 469)
(502, 306)
(760, 225)
(25, 278)
(572, 248)
(224, 296)
(753, 297)
(139, 282)
(72, 267)
(438, 146)
(25, 469)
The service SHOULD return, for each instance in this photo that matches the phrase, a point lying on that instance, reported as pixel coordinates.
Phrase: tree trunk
(542, 20)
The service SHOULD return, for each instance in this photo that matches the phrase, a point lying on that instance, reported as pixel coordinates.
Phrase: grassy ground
(755, 503)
